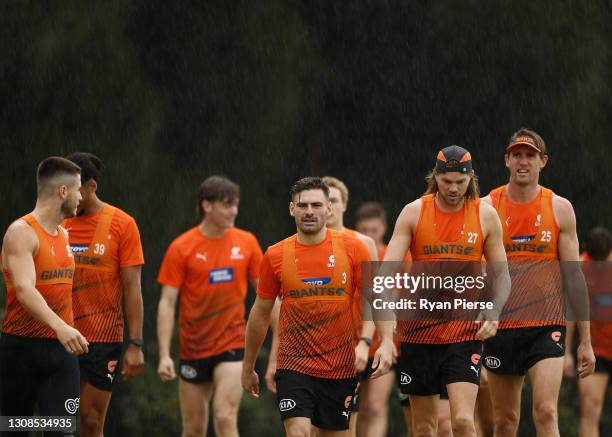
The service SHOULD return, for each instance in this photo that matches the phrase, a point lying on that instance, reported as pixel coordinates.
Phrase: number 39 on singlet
(99, 249)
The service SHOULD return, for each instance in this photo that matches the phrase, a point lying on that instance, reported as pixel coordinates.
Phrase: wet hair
(90, 164)
(599, 243)
(473, 190)
(217, 188)
(333, 182)
(52, 167)
(370, 210)
(309, 183)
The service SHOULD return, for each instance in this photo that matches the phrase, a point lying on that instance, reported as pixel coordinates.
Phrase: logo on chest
(221, 276)
(235, 253)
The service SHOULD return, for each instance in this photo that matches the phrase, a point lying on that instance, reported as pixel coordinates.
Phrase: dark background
(167, 93)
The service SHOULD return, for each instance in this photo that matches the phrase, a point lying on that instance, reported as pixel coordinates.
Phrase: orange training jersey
(54, 265)
(598, 276)
(317, 285)
(211, 275)
(530, 239)
(103, 243)
(442, 236)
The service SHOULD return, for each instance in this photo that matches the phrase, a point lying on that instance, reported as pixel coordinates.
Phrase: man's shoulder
(242, 234)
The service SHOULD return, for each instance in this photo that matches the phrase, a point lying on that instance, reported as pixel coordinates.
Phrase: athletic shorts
(100, 366)
(37, 372)
(326, 402)
(515, 351)
(603, 365)
(424, 369)
(405, 399)
(199, 371)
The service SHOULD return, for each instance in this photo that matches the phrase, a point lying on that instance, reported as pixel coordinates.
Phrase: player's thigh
(505, 391)
(593, 390)
(462, 398)
(227, 386)
(298, 426)
(546, 376)
(376, 392)
(194, 398)
(424, 409)
(94, 401)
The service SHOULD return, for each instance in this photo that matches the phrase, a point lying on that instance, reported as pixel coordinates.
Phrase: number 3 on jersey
(344, 277)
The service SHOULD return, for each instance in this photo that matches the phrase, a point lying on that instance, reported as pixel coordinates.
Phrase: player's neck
(311, 239)
(48, 215)
(337, 226)
(93, 207)
(212, 230)
(522, 193)
(445, 206)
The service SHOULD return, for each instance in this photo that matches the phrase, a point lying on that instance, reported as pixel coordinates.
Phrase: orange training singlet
(440, 236)
(54, 264)
(103, 244)
(316, 332)
(531, 234)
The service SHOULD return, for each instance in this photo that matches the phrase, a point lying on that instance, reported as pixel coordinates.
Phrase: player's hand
(586, 360)
(72, 340)
(270, 372)
(383, 358)
(569, 366)
(361, 356)
(133, 362)
(250, 383)
(165, 370)
(489, 322)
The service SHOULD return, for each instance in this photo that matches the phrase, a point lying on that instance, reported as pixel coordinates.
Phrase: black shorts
(515, 351)
(37, 372)
(326, 402)
(424, 369)
(603, 365)
(199, 371)
(405, 399)
(101, 364)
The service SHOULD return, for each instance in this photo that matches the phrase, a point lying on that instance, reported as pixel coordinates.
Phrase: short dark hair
(54, 166)
(90, 164)
(309, 183)
(537, 139)
(216, 188)
(370, 210)
(599, 243)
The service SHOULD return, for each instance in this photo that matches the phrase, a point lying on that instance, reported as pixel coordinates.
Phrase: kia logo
(286, 404)
(493, 362)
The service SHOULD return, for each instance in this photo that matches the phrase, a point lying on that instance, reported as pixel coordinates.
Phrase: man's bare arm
(257, 327)
(133, 359)
(573, 282)
(165, 326)
(19, 246)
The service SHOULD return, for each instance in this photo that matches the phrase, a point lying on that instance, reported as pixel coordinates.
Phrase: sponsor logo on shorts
(475, 370)
(111, 366)
(72, 405)
(405, 379)
(221, 276)
(492, 362)
(286, 404)
(346, 414)
(347, 401)
(556, 336)
(188, 372)
(475, 359)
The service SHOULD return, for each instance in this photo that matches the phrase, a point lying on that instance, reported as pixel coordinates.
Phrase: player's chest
(217, 264)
